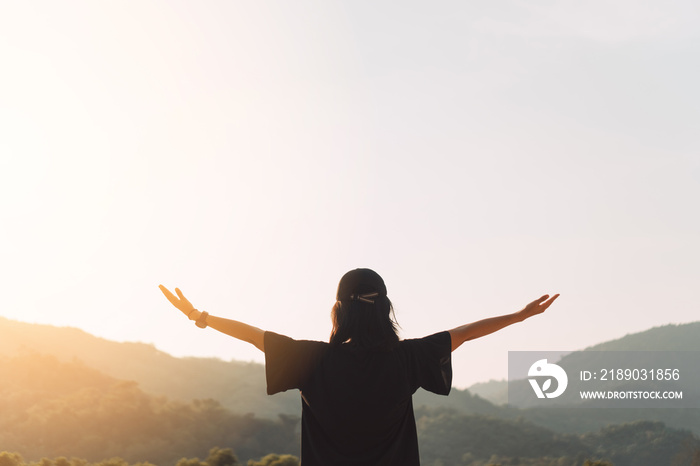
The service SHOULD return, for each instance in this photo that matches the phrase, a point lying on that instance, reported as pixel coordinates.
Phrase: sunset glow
(476, 156)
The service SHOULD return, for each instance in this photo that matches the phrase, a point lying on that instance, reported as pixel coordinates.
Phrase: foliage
(275, 460)
(53, 407)
(11, 459)
(455, 439)
(689, 454)
(217, 457)
(15, 459)
(635, 443)
(42, 414)
(221, 457)
(240, 386)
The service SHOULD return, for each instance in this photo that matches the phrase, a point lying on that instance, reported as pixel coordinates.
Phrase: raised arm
(239, 330)
(484, 327)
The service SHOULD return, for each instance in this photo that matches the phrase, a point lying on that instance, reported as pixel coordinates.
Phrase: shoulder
(429, 362)
(275, 341)
(289, 362)
(436, 339)
(436, 347)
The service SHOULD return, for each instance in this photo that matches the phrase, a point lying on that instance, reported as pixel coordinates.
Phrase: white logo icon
(542, 369)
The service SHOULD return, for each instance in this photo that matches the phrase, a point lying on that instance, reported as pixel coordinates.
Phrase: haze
(476, 154)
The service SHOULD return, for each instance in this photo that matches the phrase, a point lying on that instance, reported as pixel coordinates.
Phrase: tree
(11, 459)
(222, 457)
(689, 454)
(276, 460)
(116, 461)
(190, 462)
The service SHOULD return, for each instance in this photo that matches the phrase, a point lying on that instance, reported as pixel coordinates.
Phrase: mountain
(666, 349)
(66, 409)
(50, 408)
(653, 344)
(671, 337)
(240, 386)
(495, 391)
(67, 393)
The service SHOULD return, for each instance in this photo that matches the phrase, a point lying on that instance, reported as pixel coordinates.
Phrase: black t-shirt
(356, 404)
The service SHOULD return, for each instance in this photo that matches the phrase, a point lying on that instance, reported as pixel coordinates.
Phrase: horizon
(481, 382)
(477, 156)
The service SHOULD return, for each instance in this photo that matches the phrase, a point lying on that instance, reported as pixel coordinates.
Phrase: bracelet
(202, 321)
(190, 313)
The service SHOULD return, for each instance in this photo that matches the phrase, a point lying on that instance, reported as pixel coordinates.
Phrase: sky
(476, 154)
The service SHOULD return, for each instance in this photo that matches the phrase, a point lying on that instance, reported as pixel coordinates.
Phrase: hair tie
(364, 297)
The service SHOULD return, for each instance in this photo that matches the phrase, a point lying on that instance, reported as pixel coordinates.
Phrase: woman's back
(357, 407)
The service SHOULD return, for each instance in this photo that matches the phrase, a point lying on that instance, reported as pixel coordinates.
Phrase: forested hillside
(518, 442)
(672, 337)
(54, 409)
(50, 408)
(238, 386)
(54, 404)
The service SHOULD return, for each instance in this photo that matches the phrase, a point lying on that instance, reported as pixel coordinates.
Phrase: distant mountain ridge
(51, 408)
(240, 386)
(670, 337)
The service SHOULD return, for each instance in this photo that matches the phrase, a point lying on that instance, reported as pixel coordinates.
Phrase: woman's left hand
(538, 306)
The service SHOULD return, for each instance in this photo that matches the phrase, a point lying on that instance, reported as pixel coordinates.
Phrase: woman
(356, 389)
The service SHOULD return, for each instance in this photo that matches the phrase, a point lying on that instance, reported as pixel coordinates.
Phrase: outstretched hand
(538, 306)
(180, 302)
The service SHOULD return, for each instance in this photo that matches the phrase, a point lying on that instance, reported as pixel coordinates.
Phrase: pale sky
(476, 154)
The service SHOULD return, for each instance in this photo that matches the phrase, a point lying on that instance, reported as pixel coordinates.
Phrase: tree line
(53, 409)
(216, 457)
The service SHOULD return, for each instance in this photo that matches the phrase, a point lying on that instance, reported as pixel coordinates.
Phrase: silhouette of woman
(357, 389)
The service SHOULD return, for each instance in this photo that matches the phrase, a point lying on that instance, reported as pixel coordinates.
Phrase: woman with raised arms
(357, 389)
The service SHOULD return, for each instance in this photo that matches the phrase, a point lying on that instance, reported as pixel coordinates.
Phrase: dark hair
(364, 325)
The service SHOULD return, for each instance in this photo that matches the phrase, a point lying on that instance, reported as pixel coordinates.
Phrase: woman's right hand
(181, 302)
